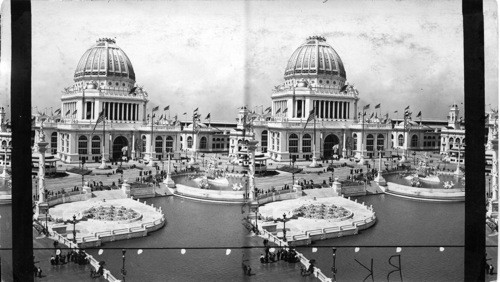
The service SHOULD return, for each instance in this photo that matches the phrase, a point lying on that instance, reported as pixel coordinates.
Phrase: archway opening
(331, 146)
(120, 148)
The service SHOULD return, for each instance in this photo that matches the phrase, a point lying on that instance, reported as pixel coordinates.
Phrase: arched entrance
(331, 146)
(120, 147)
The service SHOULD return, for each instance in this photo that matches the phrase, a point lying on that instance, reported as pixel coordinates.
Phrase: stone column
(169, 181)
(344, 148)
(252, 146)
(41, 206)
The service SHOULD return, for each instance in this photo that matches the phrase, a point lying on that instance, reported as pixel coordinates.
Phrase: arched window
(369, 142)
(380, 142)
(414, 141)
(355, 141)
(306, 143)
(263, 141)
(457, 141)
(82, 145)
(4, 144)
(203, 142)
(169, 143)
(67, 143)
(158, 144)
(143, 147)
(401, 140)
(190, 142)
(277, 141)
(96, 145)
(463, 141)
(293, 143)
(53, 143)
(273, 141)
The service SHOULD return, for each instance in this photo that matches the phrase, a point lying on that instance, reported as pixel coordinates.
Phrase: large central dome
(313, 59)
(105, 60)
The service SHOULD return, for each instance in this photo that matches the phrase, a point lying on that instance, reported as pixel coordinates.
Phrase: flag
(285, 111)
(166, 108)
(407, 108)
(278, 111)
(161, 117)
(344, 88)
(366, 107)
(132, 90)
(377, 106)
(311, 117)
(155, 109)
(99, 119)
(268, 109)
(419, 114)
(68, 112)
(395, 111)
(208, 116)
(195, 110)
(372, 115)
(74, 112)
(185, 113)
(57, 111)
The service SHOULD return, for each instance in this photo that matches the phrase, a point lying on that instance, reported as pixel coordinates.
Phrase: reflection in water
(219, 227)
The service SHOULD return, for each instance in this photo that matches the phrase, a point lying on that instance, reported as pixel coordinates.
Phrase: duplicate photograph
(248, 141)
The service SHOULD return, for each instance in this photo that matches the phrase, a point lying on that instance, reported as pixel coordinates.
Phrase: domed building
(315, 85)
(105, 81)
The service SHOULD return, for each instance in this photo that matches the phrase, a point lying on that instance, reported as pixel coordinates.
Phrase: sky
(221, 55)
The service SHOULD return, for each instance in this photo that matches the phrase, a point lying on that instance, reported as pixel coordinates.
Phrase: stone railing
(303, 260)
(68, 197)
(93, 262)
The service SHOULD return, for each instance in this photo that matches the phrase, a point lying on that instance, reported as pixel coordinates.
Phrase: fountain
(425, 183)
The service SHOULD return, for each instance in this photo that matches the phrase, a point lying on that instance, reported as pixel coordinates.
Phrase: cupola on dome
(315, 58)
(105, 59)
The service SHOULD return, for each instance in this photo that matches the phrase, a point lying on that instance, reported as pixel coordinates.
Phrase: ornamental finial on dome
(316, 37)
(105, 39)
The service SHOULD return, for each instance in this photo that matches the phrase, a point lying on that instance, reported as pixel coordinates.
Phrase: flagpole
(403, 158)
(361, 158)
(151, 143)
(314, 164)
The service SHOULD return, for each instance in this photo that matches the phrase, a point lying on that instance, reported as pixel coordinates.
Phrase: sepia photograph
(224, 140)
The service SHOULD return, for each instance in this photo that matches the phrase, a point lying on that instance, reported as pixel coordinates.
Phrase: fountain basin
(434, 191)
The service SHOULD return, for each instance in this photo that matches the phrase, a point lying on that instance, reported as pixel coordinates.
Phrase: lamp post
(284, 228)
(46, 219)
(414, 160)
(256, 218)
(124, 272)
(334, 268)
(74, 229)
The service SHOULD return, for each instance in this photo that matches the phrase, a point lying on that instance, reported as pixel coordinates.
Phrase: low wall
(208, 194)
(142, 192)
(68, 198)
(454, 194)
(359, 190)
(277, 196)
